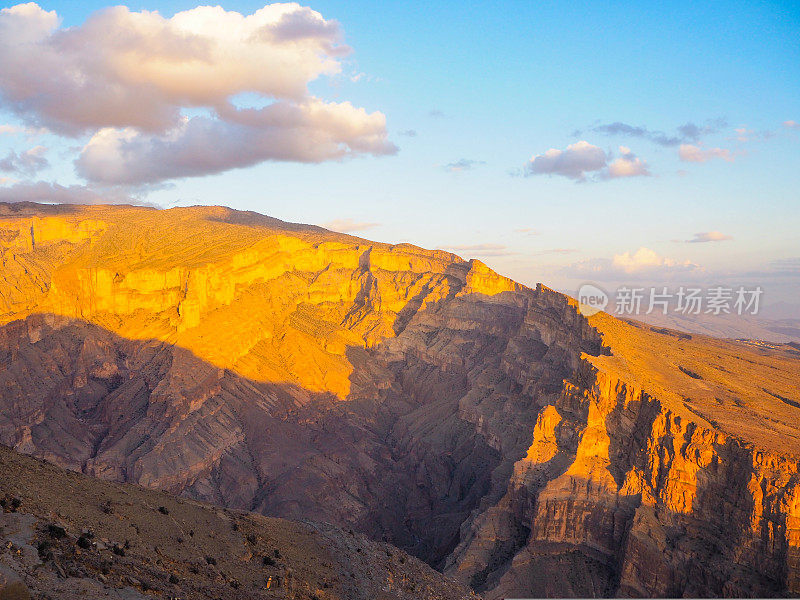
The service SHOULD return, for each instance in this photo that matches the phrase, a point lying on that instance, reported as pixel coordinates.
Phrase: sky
(615, 143)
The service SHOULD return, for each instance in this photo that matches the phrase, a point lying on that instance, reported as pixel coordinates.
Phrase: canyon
(489, 429)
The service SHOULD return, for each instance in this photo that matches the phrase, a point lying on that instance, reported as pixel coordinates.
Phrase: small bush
(163, 510)
(173, 579)
(43, 548)
(118, 550)
(10, 504)
(56, 531)
(278, 553)
(269, 561)
(83, 542)
(211, 560)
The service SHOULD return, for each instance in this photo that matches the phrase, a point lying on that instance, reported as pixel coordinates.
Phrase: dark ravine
(488, 428)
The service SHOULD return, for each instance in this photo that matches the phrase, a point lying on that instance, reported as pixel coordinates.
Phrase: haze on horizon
(619, 145)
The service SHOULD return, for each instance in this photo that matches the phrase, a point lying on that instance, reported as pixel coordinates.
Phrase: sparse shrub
(118, 550)
(234, 526)
(43, 548)
(16, 590)
(173, 579)
(107, 508)
(191, 533)
(278, 553)
(163, 510)
(10, 504)
(269, 561)
(83, 542)
(252, 539)
(211, 560)
(56, 531)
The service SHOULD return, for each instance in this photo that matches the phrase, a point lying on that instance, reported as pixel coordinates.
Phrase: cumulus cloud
(575, 162)
(643, 263)
(692, 153)
(583, 159)
(123, 68)
(128, 78)
(791, 124)
(7, 129)
(311, 132)
(480, 249)
(53, 193)
(627, 165)
(348, 225)
(28, 163)
(464, 164)
(688, 132)
(709, 236)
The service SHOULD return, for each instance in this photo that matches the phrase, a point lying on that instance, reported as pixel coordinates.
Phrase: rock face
(486, 427)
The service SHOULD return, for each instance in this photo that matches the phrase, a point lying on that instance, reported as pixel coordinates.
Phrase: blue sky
(487, 87)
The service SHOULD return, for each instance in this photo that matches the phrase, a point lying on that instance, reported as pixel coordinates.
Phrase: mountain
(751, 327)
(69, 536)
(487, 428)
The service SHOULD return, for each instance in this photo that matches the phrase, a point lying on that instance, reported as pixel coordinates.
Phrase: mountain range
(421, 400)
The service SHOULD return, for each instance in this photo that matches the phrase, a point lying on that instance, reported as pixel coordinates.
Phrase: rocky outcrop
(486, 427)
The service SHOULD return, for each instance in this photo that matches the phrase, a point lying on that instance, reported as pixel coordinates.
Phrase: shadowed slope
(69, 536)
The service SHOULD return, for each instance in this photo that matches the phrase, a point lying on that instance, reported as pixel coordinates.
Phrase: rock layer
(488, 428)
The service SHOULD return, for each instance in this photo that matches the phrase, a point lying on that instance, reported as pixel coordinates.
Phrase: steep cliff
(488, 428)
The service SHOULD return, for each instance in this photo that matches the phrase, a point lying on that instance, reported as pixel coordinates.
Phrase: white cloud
(644, 263)
(692, 153)
(464, 164)
(791, 124)
(709, 236)
(7, 129)
(582, 158)
(627, 165)
(123, 68)
(348, 225)
(7, 180)
(312, 132)
(575, 162)
(42, 191)
(127, 77)
(29, 162)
